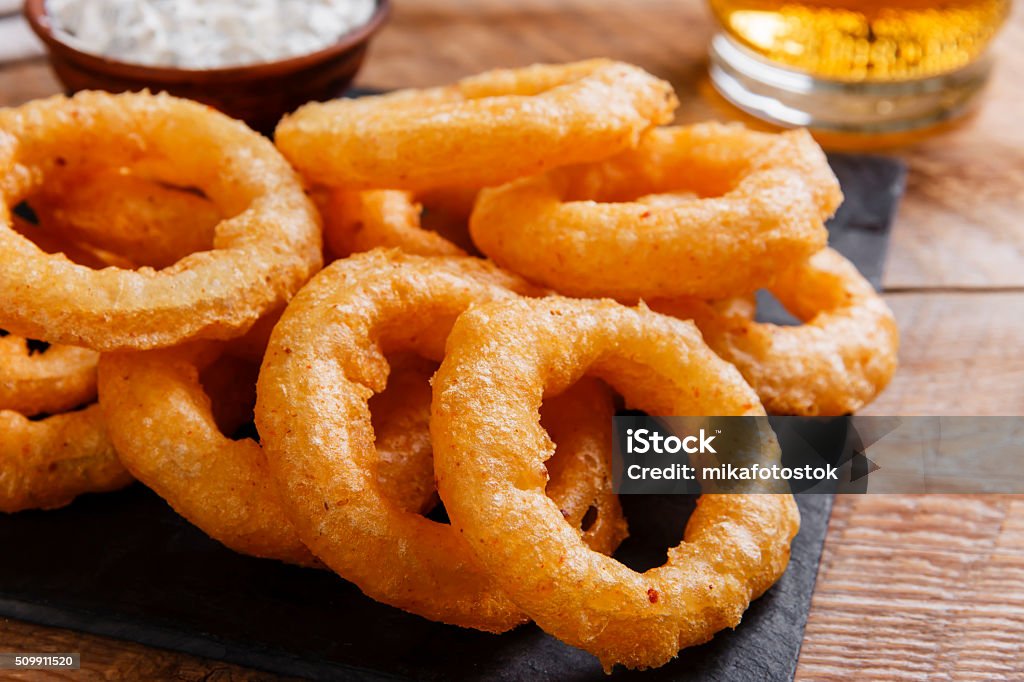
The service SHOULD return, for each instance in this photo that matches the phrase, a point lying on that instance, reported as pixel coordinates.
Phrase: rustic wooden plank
(111, 659)
(26, 80)
(960, 354)
(930, 586)
(919, 587)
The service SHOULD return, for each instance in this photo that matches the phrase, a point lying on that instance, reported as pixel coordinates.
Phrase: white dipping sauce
(204, 34)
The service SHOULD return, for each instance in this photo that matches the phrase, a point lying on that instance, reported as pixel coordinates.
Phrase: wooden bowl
(258, 94)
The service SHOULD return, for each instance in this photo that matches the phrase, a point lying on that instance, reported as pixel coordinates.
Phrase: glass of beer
(853, 66)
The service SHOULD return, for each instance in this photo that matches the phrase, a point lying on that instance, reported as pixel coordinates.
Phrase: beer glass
(853, 66)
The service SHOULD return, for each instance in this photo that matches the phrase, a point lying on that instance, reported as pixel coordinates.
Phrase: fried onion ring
(262, 254)
(762, 200)
(163, 425)
(326, 357)
(502, 359)
(40, 378)
(483, 130)
(839, 360)
(46, 464)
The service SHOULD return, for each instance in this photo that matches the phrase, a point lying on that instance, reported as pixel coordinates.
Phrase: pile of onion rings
(433, 426)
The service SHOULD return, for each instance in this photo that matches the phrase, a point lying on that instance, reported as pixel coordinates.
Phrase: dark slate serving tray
(125, 565)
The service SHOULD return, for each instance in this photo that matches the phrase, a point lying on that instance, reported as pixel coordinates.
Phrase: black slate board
(125, 565)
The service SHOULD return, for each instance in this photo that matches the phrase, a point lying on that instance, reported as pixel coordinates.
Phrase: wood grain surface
(911, 587)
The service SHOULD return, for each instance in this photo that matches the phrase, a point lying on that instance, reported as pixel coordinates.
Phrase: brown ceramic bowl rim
(35, 13)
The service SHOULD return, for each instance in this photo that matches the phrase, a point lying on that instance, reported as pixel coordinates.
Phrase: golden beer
(879, 41)
(876, 67)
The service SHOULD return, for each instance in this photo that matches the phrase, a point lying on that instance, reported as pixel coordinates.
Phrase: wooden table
(910, 587)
